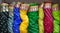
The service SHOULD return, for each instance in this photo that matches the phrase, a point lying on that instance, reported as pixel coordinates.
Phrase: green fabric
(56, 15)
(59, 20)
(56, 21)
(33, 22)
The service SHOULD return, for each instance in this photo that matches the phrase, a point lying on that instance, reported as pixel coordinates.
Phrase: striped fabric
(48, 19)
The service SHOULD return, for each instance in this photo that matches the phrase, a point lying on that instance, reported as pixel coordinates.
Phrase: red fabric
(48, 20)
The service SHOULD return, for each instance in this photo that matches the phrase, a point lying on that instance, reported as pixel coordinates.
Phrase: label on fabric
(24, 7)
(55, 7)
(7, 8)
(11, 8)
(47, 5)
(33, 8)
(3, 8)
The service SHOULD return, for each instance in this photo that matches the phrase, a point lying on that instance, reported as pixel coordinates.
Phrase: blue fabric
(17, 20)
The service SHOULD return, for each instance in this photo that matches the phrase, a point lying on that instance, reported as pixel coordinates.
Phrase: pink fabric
(48, 20)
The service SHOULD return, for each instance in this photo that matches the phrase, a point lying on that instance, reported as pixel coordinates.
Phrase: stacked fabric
(29, 18)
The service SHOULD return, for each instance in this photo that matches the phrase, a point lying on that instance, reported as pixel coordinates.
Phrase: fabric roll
(56, 22)
(41, 17)
(3, 19)
(3, 22)
(24, 17)
(10, 19)
(56, 18)
(17, 20)
(48, 19)
(33, 18)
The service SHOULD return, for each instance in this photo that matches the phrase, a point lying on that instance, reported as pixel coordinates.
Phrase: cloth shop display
(20, 17)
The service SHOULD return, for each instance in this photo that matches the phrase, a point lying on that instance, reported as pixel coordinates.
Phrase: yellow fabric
(41, 17)
(24, 24)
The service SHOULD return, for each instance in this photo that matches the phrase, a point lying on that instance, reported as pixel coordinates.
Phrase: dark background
(32, 1)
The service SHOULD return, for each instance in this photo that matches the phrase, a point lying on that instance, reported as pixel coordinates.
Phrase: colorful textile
(17, 20)
(41, 17)
(48, 19)
(33, 19)
(24, 17)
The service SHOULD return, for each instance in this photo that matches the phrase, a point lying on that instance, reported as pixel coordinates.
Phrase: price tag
(47, 5)
(3, 8)
(33, 8)
(55, 7)
(7, 8)
(24, 7)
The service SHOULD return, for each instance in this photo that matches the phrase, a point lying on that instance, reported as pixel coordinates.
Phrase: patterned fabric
(48, 20)
(24, 24)
(3, 22)
(17, 20)
(33, 22)
(56, 21)
(10, 21)
(41, 17)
